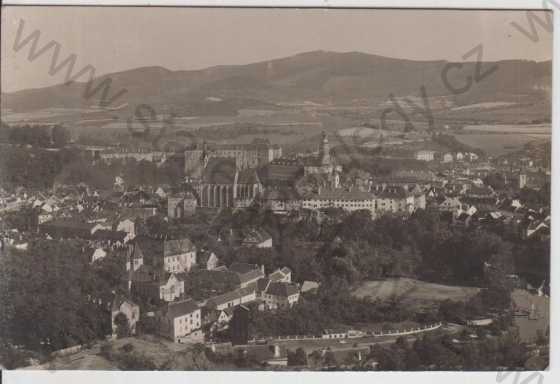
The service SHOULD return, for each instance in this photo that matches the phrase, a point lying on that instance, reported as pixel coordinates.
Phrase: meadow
(499, 144)
(412, 292)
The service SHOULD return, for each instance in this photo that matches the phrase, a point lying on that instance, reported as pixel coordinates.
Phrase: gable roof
(159, 248)
(119, 300)
(276, 275)
(181, 308)
(248, 176)
(230, 296)
(282, 289)
(340, 194)
(309, 286)
(220, 170)
(262, 284)
(250, 276)
(394, 192)
(280, 274)
(147, 274)
(107, 234)
(243, 267)
(177, 246)
(229, 311)
(256, 235)
(286, 270)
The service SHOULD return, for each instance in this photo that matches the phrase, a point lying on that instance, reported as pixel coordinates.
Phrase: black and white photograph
(276, 189)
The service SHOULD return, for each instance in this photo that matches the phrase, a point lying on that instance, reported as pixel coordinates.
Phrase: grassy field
(511, 128)
(413, 292)
(499, 144)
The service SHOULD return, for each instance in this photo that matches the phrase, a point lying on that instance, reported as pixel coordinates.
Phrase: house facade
(280, 295)
(180, 319)
(173, 256)
(127, 308)
(171, 289)
(338, 198)
(233, 298)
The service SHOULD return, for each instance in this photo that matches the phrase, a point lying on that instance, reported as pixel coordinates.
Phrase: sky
(114, 39)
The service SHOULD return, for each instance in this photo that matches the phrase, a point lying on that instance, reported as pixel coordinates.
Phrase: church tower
(324, 151)
(205, 156)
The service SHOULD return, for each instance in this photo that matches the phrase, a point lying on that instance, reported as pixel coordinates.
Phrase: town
(248, 256)
(276, 188)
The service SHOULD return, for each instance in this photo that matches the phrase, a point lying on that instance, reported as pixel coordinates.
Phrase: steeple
(204, 156)
(324, 150)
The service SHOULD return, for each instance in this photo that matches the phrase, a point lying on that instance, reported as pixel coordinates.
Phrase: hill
(318, 76)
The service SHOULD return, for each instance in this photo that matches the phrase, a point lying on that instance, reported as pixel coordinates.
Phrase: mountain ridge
(313, 75)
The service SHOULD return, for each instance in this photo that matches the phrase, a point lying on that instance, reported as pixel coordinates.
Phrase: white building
(129, 309)
(447, 158)
(98, 254)
(128, 226)
(233, 298)
(180, 319)
(338, 198)
(171, 289)
(396, 199)
(425, 155)
(173, 256)
(280, 295)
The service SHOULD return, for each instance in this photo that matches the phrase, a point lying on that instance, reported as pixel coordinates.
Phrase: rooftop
(220, 170)
(229, 296)
(180, 308)
(282, 289)
(340, 194)
(243, 267)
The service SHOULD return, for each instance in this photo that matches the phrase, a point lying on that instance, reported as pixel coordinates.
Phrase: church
(221, 181)
(252, 155)
(223, 185)
(324, 165)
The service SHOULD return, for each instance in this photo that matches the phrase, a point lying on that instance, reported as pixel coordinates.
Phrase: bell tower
(324, 150)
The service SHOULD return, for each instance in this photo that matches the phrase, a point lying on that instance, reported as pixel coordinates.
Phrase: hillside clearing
(413, 292)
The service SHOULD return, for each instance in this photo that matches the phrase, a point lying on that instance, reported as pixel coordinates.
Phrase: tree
(389, 359)
(60, 136)
(330, 359)
(541, 339)
(123, 326)
(297, 358)
(51, 302)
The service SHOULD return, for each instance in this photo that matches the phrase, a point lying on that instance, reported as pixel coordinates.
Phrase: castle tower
(324, 151)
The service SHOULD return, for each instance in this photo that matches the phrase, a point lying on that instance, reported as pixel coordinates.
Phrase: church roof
(220, 170)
